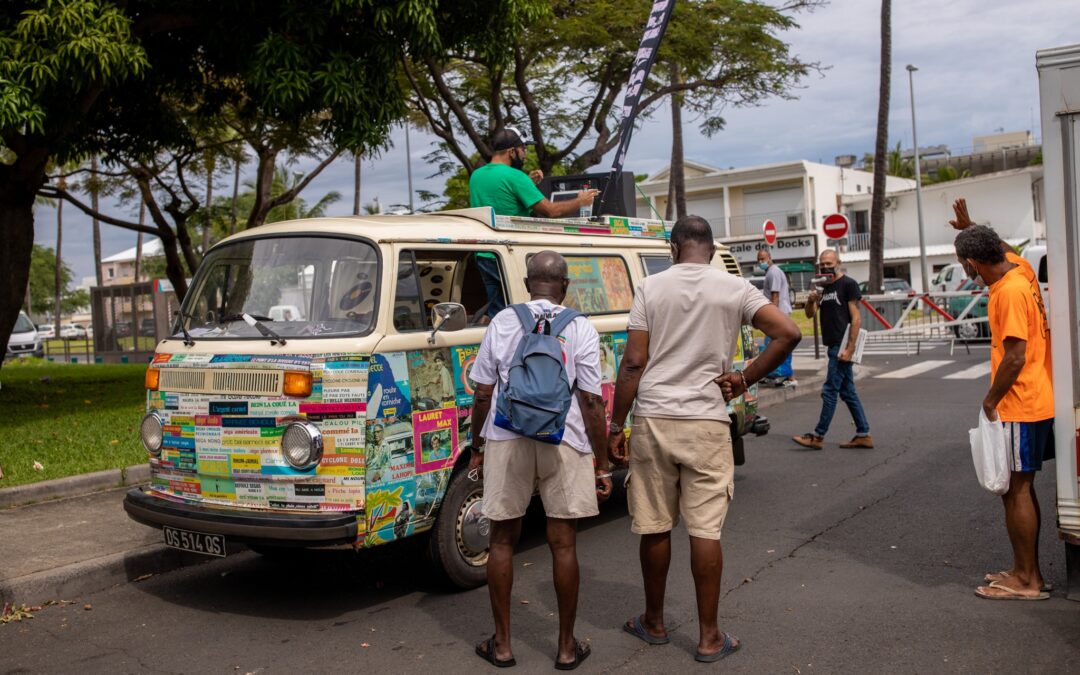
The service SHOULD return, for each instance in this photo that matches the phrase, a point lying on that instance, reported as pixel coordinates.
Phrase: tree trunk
(356, 185)
(138, 242)
(209, 205)
(58, 269)
(877, 205)
(19, 183)
(235, 196)
(677, 176)
(264, 183)
(97, 225)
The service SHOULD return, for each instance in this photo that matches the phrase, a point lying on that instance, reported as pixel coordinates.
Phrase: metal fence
(129, 320)
(921, 318)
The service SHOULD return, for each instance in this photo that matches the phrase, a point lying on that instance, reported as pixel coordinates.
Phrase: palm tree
(94, 187)
(58, 274)
(356, 183)
(877, 206)
(676, 205)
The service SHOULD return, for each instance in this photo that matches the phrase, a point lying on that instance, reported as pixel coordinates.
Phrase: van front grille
(221, 381)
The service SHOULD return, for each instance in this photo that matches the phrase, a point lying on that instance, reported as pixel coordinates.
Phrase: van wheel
(458, 545)
(738, 450)
(968, 331)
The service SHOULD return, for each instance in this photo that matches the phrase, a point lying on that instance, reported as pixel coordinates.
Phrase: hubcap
(473, 530)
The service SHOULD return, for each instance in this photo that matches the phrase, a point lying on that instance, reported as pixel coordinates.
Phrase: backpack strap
(525, 316)
(563, 319)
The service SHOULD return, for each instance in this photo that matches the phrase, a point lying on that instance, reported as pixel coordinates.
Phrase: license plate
(195, 542)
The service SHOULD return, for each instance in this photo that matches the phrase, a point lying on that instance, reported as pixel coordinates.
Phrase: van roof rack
(619, 226)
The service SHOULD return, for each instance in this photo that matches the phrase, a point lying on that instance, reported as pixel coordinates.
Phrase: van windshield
(306, 286)
(22, 324)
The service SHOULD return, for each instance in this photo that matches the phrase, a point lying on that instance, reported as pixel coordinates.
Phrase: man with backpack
(683, 328)
(541, 363)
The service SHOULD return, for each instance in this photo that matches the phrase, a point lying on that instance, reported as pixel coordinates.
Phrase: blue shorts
(1029, 444)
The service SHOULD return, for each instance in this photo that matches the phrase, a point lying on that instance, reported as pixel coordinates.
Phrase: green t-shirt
(508, 190)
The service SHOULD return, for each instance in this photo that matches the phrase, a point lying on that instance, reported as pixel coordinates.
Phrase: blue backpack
(536, 397)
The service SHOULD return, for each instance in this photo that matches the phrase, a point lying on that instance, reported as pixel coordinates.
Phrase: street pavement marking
(913, 370)
(972, 373)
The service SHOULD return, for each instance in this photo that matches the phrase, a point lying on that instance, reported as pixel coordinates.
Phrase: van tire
(738, 450)
(459, 564)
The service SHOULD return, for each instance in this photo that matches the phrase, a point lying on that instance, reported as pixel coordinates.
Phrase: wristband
(742, 374)
(616, 428)
(606, 474)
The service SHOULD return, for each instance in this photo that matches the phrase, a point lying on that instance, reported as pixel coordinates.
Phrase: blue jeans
(489, 273)
(784, 370)
(840, 381)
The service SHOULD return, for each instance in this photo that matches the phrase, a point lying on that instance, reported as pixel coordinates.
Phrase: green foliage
(947, 173)
(43, 284)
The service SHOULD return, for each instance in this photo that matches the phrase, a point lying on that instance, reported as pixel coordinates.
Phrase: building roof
(150, 249)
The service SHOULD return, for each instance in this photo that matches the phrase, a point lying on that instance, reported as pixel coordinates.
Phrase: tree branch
(459, 112)
(289, 195)
(54, 192)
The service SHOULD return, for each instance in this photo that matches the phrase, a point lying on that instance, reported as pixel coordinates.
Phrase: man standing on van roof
(572, 476)
(838, 303)
(502, 185)
(1021, 394)
(684, 326)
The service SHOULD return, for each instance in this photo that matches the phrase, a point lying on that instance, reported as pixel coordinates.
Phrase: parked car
(46, 330)
(958, 304)
(950, 278)
(892, 287)
(24, 340)
(73, 330)
(146, 327)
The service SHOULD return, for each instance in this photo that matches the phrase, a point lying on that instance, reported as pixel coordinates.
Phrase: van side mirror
(447, 316)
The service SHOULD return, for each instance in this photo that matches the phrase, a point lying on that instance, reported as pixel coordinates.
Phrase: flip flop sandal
(1010, 593)
(581, 652)
(636, 628)
(1004, 574)
(486, 651)
(731, 645)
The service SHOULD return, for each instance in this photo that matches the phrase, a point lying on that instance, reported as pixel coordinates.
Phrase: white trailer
(1059, 92)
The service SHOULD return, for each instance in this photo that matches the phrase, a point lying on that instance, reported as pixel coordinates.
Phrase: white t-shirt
(581, 354)
(693, 314)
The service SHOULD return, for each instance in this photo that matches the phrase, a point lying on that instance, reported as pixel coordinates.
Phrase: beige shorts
(679, 465)
(513, 468)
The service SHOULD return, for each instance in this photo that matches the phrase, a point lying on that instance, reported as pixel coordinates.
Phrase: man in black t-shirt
(838, 304)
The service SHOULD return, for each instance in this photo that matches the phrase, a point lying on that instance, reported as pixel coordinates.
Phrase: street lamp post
(918, 184)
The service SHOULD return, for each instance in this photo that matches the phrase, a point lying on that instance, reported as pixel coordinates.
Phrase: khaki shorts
(512, 469)
(680, 465)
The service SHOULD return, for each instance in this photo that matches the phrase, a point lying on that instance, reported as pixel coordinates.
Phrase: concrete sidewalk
(83, 543)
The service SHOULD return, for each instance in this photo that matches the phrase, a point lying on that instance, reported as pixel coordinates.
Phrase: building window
(858, 188)
(112, 273)
(861, 222)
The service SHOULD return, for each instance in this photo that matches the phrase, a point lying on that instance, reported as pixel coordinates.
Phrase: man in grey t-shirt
(684, 326)
(777, 292)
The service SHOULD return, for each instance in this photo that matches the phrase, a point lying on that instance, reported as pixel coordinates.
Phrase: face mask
(826, 271)
(763, 265)
(975, 277)
(517, 161)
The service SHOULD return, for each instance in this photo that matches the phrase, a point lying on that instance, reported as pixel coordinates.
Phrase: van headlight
(302, 445)
(151, 431)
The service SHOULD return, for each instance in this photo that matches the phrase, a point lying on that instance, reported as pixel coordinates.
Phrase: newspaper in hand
(860, 342)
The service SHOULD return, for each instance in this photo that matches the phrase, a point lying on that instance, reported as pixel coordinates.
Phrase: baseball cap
(508, 138)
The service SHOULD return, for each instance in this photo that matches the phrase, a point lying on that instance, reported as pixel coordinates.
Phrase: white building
(796, 196)
(120, 268)
(1010, 201)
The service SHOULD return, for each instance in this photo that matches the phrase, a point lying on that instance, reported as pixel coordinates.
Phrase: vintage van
(342, 424)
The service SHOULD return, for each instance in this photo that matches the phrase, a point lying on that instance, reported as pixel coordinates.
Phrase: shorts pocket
(731, 491)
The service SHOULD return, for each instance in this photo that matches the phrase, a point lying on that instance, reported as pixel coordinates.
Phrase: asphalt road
(840, 561)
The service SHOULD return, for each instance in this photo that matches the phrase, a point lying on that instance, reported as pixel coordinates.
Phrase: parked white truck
(1059, 92)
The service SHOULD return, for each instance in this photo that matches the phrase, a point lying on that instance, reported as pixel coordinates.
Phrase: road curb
(808, 384)
(74, 486)
(98, 574)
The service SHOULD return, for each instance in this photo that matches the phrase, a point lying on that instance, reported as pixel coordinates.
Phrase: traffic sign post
(769, 230)
(835, 225)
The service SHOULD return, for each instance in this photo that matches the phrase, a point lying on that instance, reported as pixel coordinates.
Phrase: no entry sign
(769, 229)
(835, 225)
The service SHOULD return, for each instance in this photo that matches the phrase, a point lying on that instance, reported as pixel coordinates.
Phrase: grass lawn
(84, 418)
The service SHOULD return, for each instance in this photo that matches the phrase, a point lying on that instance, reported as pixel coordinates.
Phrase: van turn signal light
(151, 379)
(297, 384)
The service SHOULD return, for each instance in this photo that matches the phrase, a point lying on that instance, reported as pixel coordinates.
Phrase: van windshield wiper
(256, 322)
(188, 340)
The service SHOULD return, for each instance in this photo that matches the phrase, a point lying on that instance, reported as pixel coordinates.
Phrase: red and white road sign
(769, 230)
(835, 225)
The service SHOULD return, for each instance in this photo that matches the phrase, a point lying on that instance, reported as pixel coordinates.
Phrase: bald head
(830, 255)
(692, 240)
(547, 276)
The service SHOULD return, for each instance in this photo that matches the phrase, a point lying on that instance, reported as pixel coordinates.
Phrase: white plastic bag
(989, 455)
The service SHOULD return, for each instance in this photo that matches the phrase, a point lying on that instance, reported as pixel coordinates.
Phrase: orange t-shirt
(1016, 310)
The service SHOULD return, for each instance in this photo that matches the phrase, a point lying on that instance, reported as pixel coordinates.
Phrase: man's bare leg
(562, 539)
(707, 565)
(1022, 522)
(655, 552)
(500, 576)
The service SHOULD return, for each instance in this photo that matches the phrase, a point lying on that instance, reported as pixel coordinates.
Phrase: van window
(949, 273)
(22, 324)
(599, 284)
(1042, 271)
(654, 264)
(475, 279)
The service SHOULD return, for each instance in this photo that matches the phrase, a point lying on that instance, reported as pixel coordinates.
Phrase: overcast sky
(976, 61)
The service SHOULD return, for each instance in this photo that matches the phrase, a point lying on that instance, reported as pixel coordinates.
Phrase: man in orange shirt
(1021, 396)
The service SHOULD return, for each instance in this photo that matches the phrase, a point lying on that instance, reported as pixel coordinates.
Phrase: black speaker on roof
(620, 198)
